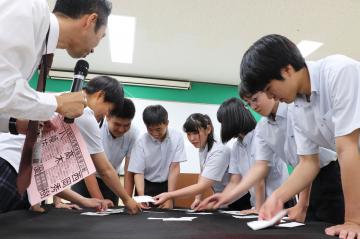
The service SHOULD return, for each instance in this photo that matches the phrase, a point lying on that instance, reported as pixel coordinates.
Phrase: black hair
(244, 91)
(263, 61)
(235, 119)
(113, 91)
(125, 111)
(197, 121)
(75, 9)
(155, 115)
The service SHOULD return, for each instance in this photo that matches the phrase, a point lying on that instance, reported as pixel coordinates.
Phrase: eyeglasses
(252, 101)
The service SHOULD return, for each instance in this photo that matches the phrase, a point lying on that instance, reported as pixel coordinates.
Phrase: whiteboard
(178, 112)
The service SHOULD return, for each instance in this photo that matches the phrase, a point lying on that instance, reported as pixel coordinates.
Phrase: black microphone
(80, 72)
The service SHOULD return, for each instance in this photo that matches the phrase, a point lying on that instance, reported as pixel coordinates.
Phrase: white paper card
(179, 219)
(246, 216)
(257, 225)
(200, 213)
(186, 219)
(105, 213)
(94, 214)
(233, 213)
(291, 224)
(143, 199)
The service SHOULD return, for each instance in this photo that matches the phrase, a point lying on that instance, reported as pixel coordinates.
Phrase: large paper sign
(64, 161)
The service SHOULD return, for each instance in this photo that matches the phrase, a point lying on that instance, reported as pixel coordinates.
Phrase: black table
(62, 223)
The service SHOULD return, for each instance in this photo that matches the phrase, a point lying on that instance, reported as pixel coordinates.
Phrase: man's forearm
(71, 196)
(128, 179)
(260, 194)
(173, 176)
(304, 197)
(129, 183)
(139, 183)
(109, 176)
(349, 159)
(111, 180)
(256, 173)
(93, 187)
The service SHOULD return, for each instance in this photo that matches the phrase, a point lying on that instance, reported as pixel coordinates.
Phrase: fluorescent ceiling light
(126, 80)
(307, 47)
(121, 37)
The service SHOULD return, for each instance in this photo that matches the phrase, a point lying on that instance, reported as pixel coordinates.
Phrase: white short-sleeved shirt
(24, 25)
(241, 160)
(153, 158)
(333, 108)
(116, 149)
(278, 171)
(11, 145)
(277, 137)
(214, 165)
(90, 131)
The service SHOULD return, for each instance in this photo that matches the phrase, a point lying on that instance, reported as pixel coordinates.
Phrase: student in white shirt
(76, 26)
(214, 161)
(156, 155)
(103, 94)
(325, 202)
(237, 122)
(326, 114)
(118, 137)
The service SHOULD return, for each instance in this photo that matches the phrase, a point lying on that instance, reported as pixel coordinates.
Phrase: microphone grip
(76, 86)
(77, 83)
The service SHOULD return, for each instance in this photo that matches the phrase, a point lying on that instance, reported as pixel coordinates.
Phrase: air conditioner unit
(127, 80)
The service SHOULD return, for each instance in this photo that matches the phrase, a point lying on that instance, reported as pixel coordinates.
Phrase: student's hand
(215, 201)
(99, 204)
(132, 206)
(249, 211)
(109, 203)
(195, 203)
(37, 208)
(270, 208)
(145, 205)
(161, 198)
(167, 205)
(348, 230)
(71, 105)
(297, 213)
(67, 206)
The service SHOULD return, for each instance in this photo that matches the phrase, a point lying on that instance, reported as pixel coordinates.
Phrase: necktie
(24, 175)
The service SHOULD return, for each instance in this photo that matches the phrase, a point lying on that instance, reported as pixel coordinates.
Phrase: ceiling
(204, 40)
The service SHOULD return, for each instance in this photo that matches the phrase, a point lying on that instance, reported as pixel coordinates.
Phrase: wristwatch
(12, 126)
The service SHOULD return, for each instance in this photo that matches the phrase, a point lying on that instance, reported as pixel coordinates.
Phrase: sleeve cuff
(48, 104)
(4, 124)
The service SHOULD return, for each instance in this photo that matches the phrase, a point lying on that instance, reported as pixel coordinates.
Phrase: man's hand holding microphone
(71, 105)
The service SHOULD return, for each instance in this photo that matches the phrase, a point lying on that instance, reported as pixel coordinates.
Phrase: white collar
(53, 34)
